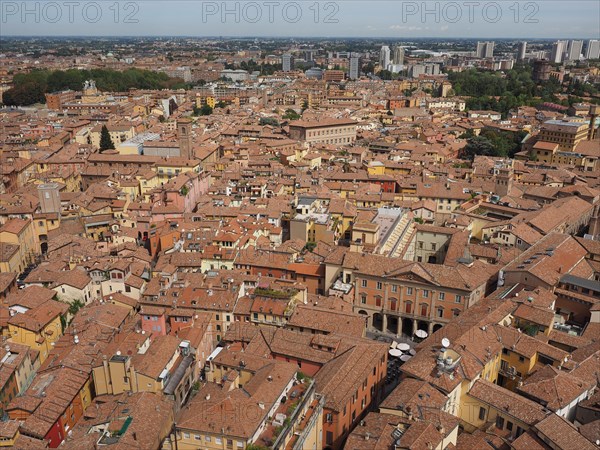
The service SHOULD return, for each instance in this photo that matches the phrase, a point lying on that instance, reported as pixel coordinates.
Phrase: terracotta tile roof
(411, 393)
(9, 428)
(553, 388)
(274, 306)
(241, 332)
(478, 440)
(587, 369)
(37, 318)
(550, 258)
(591, 431)
(562, 434)
(528, 441)
(569, 340)
(7, 279)
(28, 443)
(215, 409)
(31, 296)
(118, 297)
(105, 315)
(378, 431)
(160, 352)
(561, 211)
(341, 377)
(508, 402)
(14, 226)
(329, 321)
(149, 417)
(526, 233)
(56, 389)
(541, 316)
(7, 251)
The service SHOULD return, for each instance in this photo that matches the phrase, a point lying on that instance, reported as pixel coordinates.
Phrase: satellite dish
(445, 343)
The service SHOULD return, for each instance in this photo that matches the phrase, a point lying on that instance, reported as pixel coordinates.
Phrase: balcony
(278, 432)
(307, 423)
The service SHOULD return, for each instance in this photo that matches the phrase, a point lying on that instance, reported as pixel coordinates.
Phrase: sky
(304, 18)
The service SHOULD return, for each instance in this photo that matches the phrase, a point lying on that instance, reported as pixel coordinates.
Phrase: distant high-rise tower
(575, 50)
(288, 62)
(398, 56)
(480, 51)
(49, 196)
(522, 50)
(384, 57)
(485, 49)
(559, 48)
(354, 69)
(592, 50)
(184, 135)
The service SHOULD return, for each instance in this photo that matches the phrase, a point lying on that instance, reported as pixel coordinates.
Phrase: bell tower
(184, 135)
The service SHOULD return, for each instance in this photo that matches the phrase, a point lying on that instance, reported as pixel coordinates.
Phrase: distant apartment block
(522, 51)
(592, 50)
(384, 57)
(575, 50)
(287, 62)
(485, 49)
(559, 49)
(354, 71)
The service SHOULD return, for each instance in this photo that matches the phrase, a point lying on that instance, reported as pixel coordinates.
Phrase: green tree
(368, 68)
(106, 142)
(505, 91)
(385, 74)
(29, 88)
(268, 121)
(76, 306)
(206, 110)
(467, 134)
(290, 114)
(478, 145)
(25, 94)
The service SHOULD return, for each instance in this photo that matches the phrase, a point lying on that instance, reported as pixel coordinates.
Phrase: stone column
(432, 305)
(386, 287)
